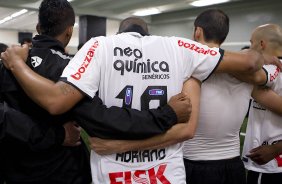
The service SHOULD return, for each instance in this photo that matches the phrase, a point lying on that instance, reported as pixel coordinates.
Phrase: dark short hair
(215, 24)
(3, 47)
(26, 40)
(55, 16)
(133, 24)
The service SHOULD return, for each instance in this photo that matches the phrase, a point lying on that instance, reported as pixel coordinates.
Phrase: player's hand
(262, 154)
(105, 146)
(181, 105)
(72, 134)
(272, 60)
(14, 55)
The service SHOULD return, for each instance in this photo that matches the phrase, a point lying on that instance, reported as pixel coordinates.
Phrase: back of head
(26, 41)
(269, 33)
(55, 16)
(215, 25)
(133, 24)
(3, 47)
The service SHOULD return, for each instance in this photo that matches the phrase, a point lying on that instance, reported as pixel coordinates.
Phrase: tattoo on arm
(66, 89)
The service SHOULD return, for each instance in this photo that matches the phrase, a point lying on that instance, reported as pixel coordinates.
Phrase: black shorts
(228, 171)
(263, 178)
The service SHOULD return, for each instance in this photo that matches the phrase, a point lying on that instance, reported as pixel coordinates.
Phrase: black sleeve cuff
(165, 116)
(170, 113)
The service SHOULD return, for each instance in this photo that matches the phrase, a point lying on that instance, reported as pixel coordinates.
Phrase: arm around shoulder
(248, 61)
(56, 98)
(178, 133)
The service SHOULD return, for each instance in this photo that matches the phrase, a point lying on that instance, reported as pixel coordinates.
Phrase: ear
(263, 44)
(69, 31)
(38, 28)
(198, 33)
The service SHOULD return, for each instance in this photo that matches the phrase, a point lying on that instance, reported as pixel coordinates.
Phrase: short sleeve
(83, 71)
(203, 59)
(272, 73)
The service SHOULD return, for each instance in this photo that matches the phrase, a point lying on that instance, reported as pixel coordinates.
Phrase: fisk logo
(196, 48)
(87, 60)
(140, 176)
(35, 61)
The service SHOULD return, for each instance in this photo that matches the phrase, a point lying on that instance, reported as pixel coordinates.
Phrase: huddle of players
(167, 165)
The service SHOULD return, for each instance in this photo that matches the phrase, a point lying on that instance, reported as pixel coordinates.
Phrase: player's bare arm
(176, 134)
(249, 61)
(268, 98)
(57, 97)
(257, 78)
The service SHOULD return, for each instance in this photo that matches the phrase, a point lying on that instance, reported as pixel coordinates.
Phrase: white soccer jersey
(264, 127)
(223, 105)
(139, 72)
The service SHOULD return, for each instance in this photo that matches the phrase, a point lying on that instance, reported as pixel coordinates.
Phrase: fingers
(279, 64)
(256, 156)
(77, 143)
(72, 134)
(74, 144)
(276, 61)
(93, 141)
(3, 57)
(180, 96)
(25, 46)
(255, 149)
(258, 161)
(253, 155)
(268, 59)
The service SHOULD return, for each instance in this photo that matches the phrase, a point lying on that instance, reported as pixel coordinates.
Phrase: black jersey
(21, 163)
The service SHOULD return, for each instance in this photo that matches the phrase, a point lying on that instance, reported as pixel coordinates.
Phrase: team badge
(35, 61)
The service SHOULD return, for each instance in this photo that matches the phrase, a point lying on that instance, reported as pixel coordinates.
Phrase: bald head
(267, 37)
(133, 24)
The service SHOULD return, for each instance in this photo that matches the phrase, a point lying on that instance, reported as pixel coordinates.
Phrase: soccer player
(47, 160)
(213, 155)
(262, 146)
(135, 71)
(214, 152)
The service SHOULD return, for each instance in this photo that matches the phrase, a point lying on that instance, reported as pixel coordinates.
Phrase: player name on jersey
(141, 156)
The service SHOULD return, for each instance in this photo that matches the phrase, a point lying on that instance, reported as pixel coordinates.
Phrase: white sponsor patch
(35, 61)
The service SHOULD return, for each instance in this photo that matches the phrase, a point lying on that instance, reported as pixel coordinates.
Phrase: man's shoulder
(44, 55)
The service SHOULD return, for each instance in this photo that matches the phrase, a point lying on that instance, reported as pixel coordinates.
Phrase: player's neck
(212, 44)
(276, 52)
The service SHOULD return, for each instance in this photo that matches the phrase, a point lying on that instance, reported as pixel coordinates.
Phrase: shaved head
(268, 34)
(133, 24)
